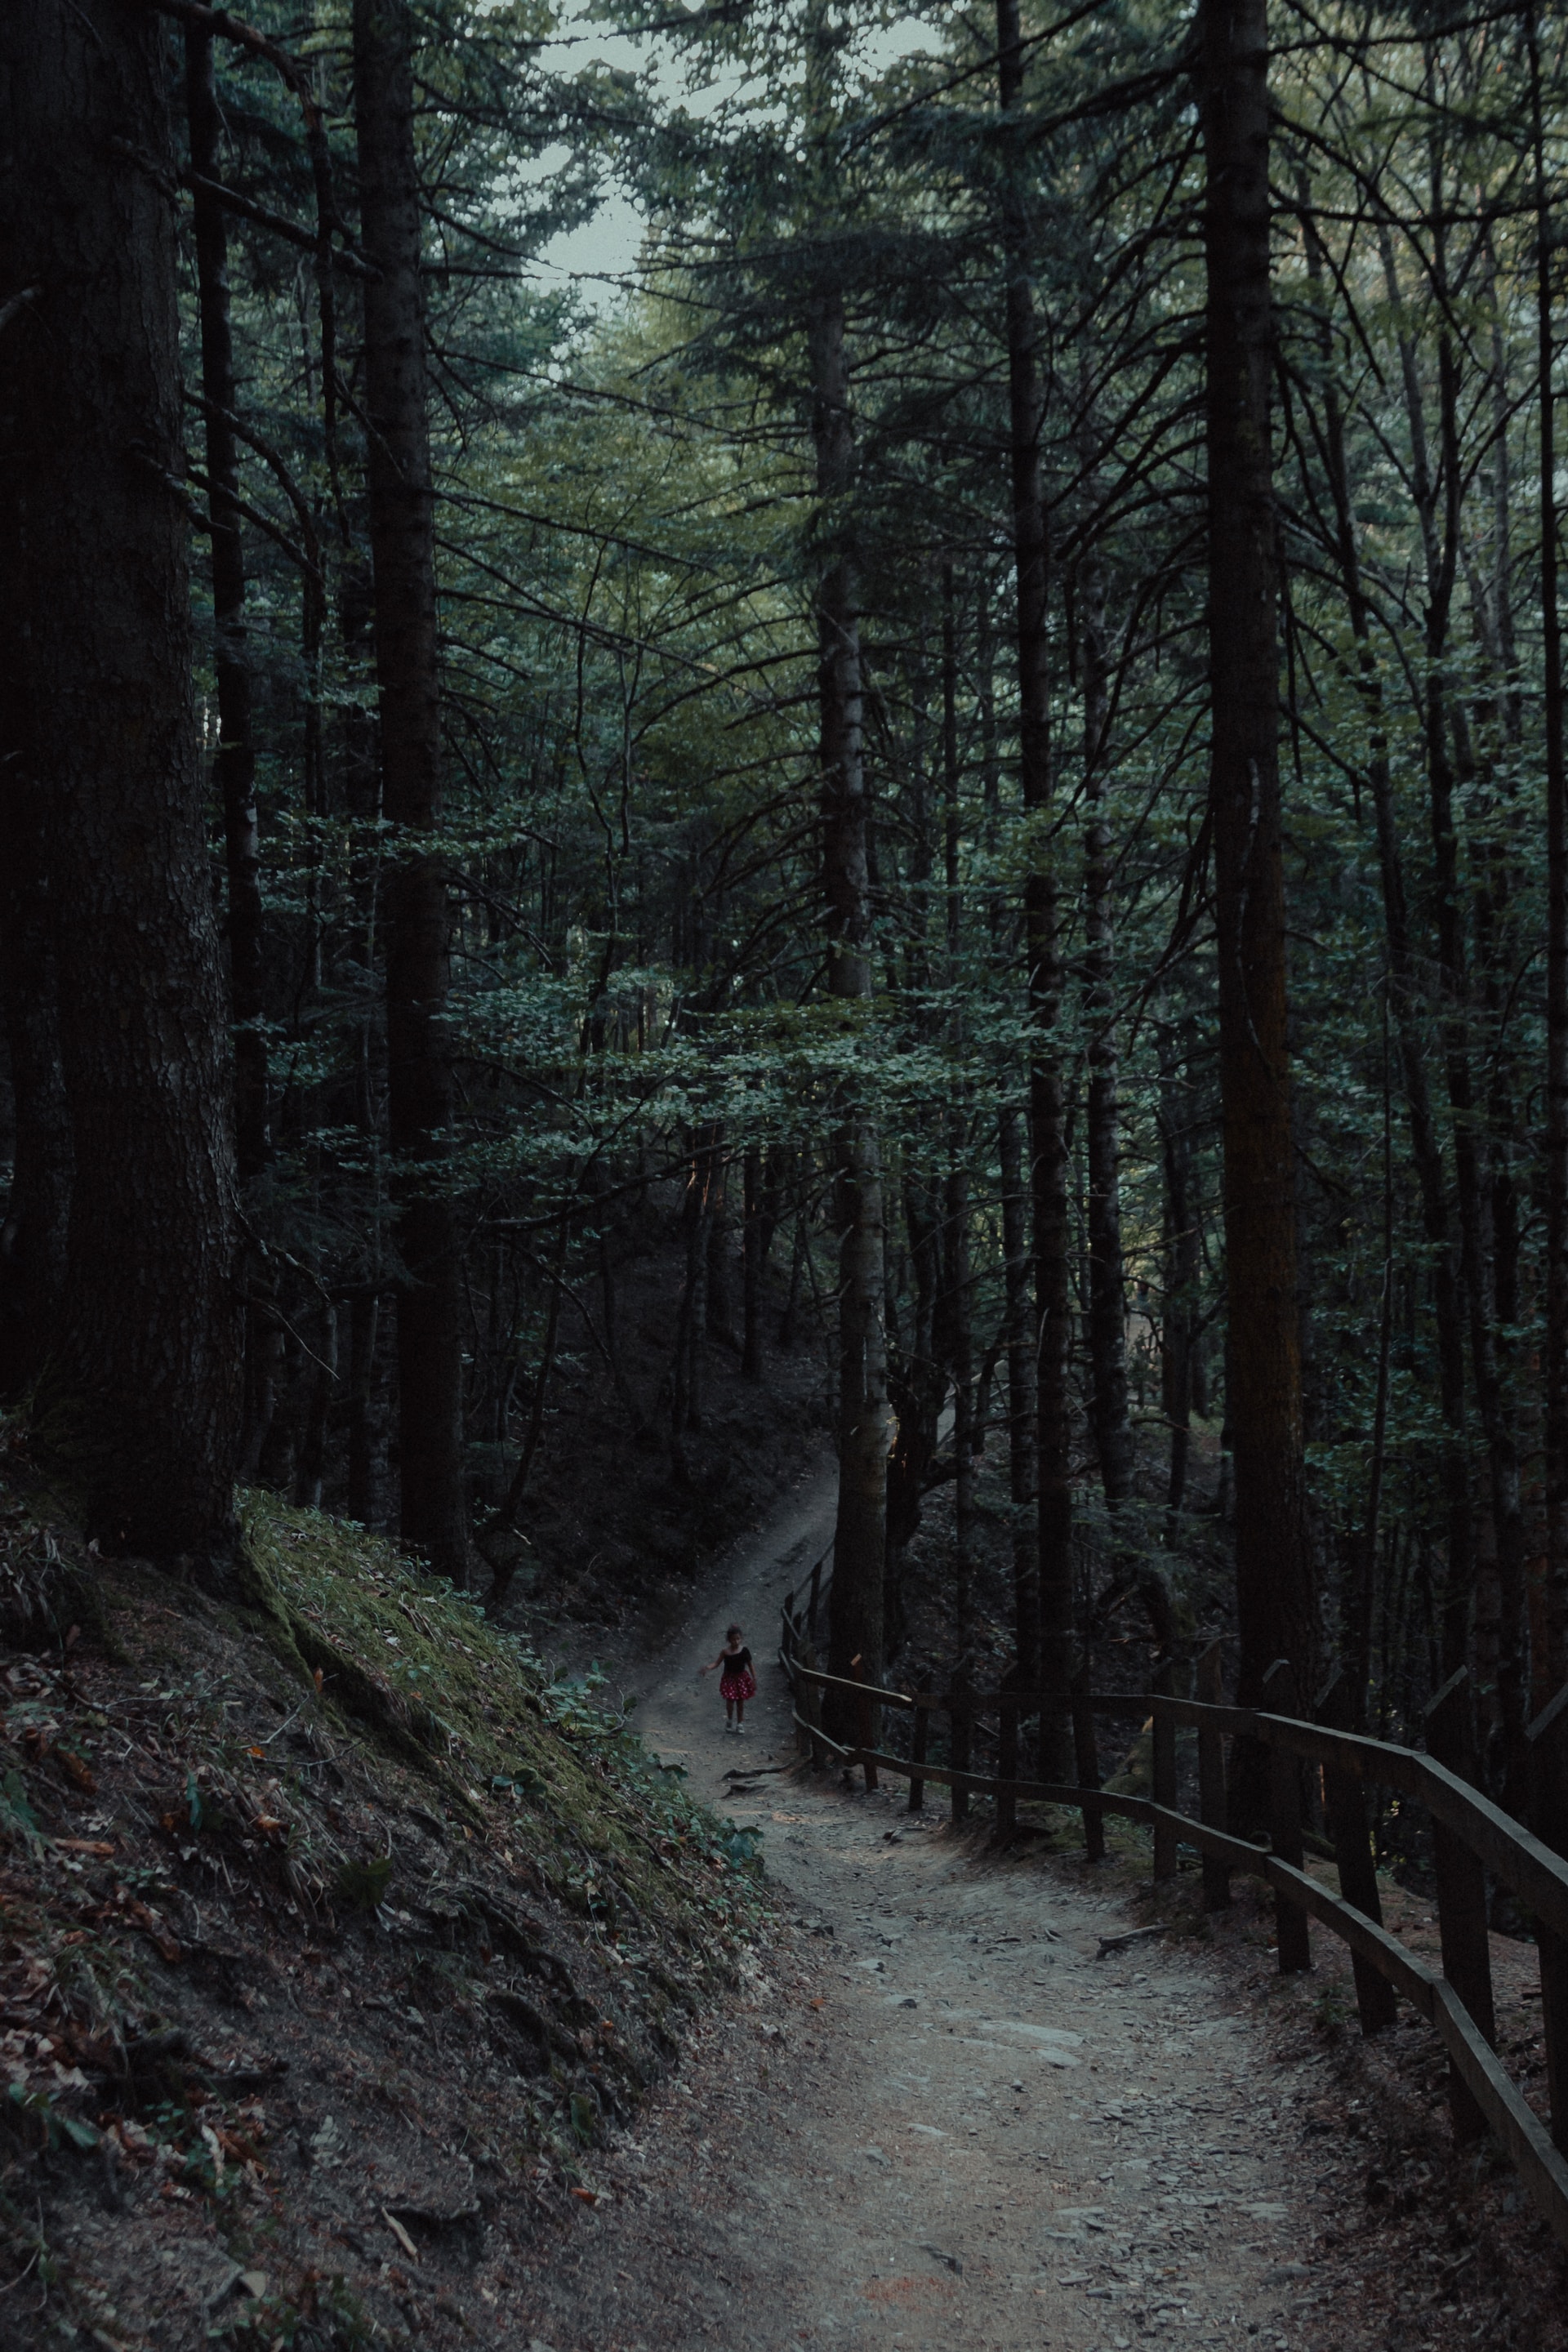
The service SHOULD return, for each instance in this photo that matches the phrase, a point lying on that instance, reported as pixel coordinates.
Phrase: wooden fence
(1471, 1837)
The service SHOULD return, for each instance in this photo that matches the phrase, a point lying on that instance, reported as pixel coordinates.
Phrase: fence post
(811, 1612)
(1211, 1778)
(1358, 1865)
(920, 1733)
(1085, 1757)
(960, 1720)
(1546, 1745)
(1007, 1759)
(865, 1727)
(1461, 1893)
(1291, 1937)
(1164, 1777)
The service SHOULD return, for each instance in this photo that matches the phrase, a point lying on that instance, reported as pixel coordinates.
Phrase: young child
(736, 1683)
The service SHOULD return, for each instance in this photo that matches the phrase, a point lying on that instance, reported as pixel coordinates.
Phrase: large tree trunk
(865, 1423)
(1053, 1287)
(1273, 1601)
(38, 1208)
(236, 766)
(141, 1395)
(419, 1076)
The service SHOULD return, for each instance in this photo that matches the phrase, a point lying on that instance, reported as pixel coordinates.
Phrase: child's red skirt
(737, 1688)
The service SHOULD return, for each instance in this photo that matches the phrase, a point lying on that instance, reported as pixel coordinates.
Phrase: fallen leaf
(84, 1845)
(401, 2234)
(588, 2196)
(150, 1922)
(78, 1770)
(818, 2003)
(257, 1751)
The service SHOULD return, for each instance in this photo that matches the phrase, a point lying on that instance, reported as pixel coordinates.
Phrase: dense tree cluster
(995, 717)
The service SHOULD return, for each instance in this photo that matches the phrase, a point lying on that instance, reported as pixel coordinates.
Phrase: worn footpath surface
(938, 2114)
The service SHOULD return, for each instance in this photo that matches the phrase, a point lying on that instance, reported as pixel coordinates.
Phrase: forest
(973, 737)
(783, 859)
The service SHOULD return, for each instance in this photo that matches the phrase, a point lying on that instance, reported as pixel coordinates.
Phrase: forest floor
(953, 2109)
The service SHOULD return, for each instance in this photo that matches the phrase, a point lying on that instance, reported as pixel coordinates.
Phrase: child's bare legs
(729, 1715)
(740, 1715)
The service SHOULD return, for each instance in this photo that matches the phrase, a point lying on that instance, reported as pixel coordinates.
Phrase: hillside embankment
(336, 1938)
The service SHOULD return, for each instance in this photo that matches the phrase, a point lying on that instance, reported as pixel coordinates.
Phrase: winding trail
(936, 2116)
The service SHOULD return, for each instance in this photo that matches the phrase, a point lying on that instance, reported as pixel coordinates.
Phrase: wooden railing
(1471, 1837)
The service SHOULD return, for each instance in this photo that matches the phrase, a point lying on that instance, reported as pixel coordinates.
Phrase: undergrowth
(473, 1708)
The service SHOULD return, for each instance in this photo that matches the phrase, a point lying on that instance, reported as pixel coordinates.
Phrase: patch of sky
(597, 258)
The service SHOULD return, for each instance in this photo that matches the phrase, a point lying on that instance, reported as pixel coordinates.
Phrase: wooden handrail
(1530, 1869)
(1521, 1859)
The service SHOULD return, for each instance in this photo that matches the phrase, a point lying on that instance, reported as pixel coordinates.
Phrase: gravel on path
(934, 2115)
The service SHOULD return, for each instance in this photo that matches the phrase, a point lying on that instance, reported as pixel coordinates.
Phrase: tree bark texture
(235, 767)
(1022, 1434)
(401, 510)
(1053, 1287)
(1274, 1604)
(1182, 1265)
(1107, 1291)
(865, 1422)
(1556, 1416)
(38, 1209)
(755, 1239)
(140, 1392)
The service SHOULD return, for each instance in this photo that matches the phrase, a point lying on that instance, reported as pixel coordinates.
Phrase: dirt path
(939, 2117)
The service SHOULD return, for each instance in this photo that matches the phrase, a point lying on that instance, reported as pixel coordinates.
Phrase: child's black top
(735, 1662)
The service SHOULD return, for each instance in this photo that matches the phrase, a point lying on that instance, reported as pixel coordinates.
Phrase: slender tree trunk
(1022, 1405)
(1182, 1266)
(236, 766)
(1107, 1291)
(719, 1312)
(1405, 996)
(755, 1239)
(958, 1352)
(141, 1395)
(364, 1463)
(1053, 1287)
(1556, 918)
(419, 1076)
(321, 1388)
(1274, 1601)
(865, 1423)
